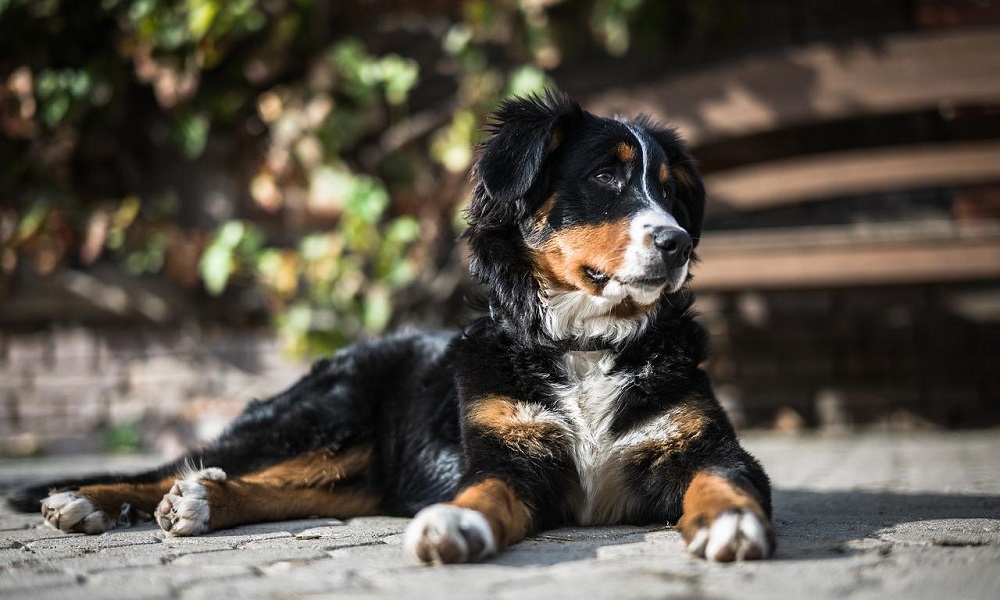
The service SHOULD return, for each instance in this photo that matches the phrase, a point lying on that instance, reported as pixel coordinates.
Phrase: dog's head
(595, 218)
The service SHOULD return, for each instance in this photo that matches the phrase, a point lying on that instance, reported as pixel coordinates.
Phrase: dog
(578, 398)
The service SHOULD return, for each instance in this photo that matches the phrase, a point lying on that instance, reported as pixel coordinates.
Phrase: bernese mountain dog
(578, 398)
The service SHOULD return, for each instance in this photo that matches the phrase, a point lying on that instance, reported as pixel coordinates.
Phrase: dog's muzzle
(658, 258)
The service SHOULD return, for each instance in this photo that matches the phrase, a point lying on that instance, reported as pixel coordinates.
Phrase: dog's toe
(448, 534)
(73, 512)
(733, 535)
(185, 509)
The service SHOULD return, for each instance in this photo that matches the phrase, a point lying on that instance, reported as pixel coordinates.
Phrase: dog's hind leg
(320, 483)
(100, 507)
(186, 500)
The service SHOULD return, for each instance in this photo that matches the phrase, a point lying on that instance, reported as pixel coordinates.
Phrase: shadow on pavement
(811, 524)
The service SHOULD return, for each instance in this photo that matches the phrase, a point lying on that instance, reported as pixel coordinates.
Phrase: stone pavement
(873, 516)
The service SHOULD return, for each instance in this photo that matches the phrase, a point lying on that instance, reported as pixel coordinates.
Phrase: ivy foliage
(346, 146)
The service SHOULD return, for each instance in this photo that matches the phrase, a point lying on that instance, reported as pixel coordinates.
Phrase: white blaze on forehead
(647, 163)
(646, 169)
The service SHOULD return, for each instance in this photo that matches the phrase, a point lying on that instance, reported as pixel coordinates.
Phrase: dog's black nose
(674, 243)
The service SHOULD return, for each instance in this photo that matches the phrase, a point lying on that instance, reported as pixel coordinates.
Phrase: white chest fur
(588, 400)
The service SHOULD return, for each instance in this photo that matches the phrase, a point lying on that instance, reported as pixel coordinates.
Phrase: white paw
(442, 533)
(71, 512)
(733, 535)
(185, 510)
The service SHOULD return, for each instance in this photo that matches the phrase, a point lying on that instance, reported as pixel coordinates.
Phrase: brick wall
(62, 389)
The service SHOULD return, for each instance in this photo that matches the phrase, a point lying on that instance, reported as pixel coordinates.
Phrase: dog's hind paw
(185, 509)
(737, 534)
(74, 513)
(448, 534)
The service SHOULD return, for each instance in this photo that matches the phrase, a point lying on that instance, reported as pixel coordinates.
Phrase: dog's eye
(664, 192)
(605, 177)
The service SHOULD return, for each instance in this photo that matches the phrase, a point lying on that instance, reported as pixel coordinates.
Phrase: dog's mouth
(648, 285)
(656, 281)
(649, 281)
(596, 276)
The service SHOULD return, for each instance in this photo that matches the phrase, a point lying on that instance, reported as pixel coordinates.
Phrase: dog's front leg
(483, 519)
(517, 462)
(723, 521)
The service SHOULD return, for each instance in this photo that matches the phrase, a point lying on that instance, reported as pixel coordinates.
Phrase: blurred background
(197, 196)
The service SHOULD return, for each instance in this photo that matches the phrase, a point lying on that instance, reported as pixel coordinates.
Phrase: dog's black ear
(690, 191)
(524, 132)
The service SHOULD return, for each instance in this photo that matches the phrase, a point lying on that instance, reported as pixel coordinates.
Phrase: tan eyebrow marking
(625, 152)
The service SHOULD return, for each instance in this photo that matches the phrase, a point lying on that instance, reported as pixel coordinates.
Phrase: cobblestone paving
(873, 516)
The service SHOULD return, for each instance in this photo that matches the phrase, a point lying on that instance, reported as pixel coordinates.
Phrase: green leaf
(377, 310)
(527, 80)
(190, 132)
(453, 145)
(201, 16)
(367, 200)
(126, 437)
(314, 247)
(55, 110)
(230, 234)
(399, 75)
(298, 318)
(216, 266)
(402, 230)
(251, 241)
(219, 259)
(32, 220)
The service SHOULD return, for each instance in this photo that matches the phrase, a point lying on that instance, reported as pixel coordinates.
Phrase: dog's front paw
(74, 513)
(737, 534)
(448, 534)
(185, 509)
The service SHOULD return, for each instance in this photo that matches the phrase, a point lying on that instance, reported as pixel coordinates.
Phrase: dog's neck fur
(577, 315)
(538, 321)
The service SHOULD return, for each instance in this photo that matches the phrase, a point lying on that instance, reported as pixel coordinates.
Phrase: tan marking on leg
(509, 517)
(686, 424)
(315, 484)
(314, 469)
(710, 495)
(519, 425)
(111, 497)
(625, 152)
